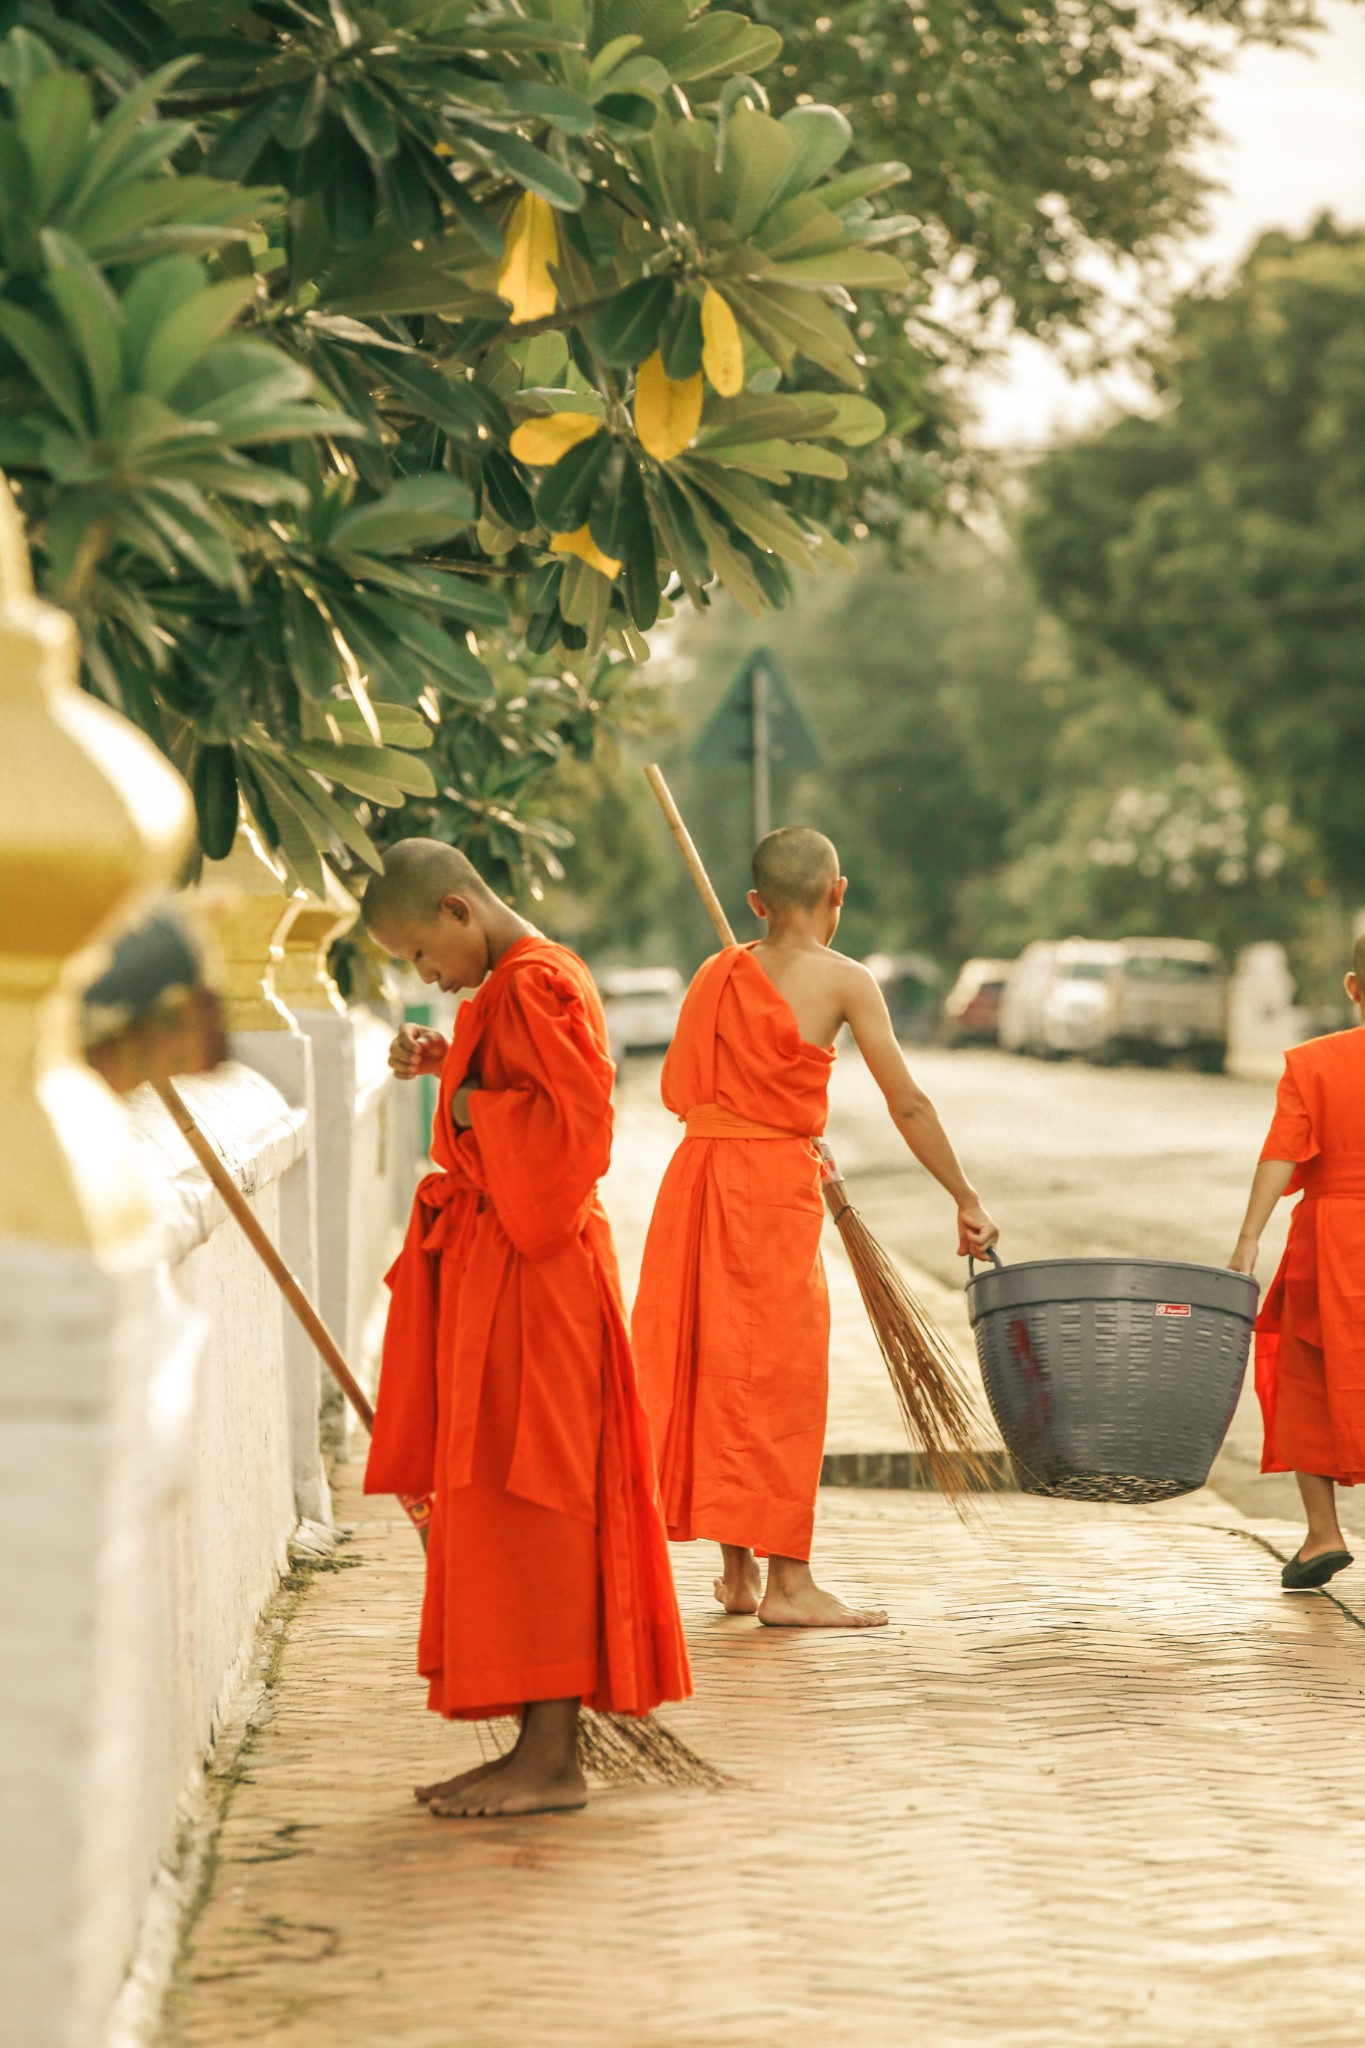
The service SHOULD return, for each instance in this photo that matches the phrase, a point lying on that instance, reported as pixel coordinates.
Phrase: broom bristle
(940, 1415)
(629, 1749)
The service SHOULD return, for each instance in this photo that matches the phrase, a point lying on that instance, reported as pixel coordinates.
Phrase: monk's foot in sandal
(449, 1787)
(519, 1784)
(1305, 1574)
(795, 1601)
(740, 1586)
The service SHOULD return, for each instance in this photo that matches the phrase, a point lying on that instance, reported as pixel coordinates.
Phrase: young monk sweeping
(507, 1389)
(1310, 1334)
(731, 1321)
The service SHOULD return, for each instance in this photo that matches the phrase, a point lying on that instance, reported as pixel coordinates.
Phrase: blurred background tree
(1218, 546)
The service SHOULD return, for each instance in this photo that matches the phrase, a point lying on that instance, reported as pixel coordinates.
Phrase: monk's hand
(417, 1050)
(1244, 1255)
(976, 1232)
(459, 1104)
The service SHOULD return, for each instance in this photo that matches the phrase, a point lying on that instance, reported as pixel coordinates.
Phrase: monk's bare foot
(520, 1784)
(447, 1788)
(793, 1600)
(740, 1586)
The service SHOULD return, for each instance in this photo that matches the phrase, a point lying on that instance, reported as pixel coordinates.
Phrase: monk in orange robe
(731, 1322)
(507, 1390)
(1310, 1334)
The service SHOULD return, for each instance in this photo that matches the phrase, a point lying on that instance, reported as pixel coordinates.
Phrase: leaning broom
(934, 1398)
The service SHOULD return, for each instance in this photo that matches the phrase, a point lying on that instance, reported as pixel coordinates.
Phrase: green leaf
(179, 339)
(370, 771)
(566, 491)
(301, 835)
(757, 156)
(180, 515)
(399, 726)
(821, 136)
(457, 671)
(306, 788)
(626, 329)
(451, 405)
(421, 511)
(314, 661)
(213, 781)
(369, 118)
(90, 313)
(553, 103)
(460, 596)
(54, 127)
(529, 166)
(654, 23)
(861, 183)
(624, 513)
(777, 461)
(680, 336)
(44, 353)
(855, 268)
(717, 45)
(154, 294)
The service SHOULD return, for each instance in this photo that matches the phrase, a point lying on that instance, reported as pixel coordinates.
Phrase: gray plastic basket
(1112, 1379)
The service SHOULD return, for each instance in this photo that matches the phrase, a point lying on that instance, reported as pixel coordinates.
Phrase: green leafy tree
(372, 376)
(1041, 144)
(986, 781)
(1217, 547)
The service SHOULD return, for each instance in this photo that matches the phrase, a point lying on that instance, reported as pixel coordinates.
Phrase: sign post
(759, 721)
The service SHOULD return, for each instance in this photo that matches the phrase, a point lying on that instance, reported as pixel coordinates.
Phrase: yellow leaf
(541, 442)
(667, 409)
(722, 349)
(530, 246)
(585, 547)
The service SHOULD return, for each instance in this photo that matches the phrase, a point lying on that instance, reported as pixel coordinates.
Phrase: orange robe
(731, 1321)
(1310, 1334)
(508, 1389)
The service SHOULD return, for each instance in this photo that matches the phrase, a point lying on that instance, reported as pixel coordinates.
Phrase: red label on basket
(1173, 1308)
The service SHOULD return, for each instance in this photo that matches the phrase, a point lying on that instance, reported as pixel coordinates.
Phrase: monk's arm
(912, 1112)
(1268, 1183)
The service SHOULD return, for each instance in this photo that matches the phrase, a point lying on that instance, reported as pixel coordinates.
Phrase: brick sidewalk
(1099, 1780)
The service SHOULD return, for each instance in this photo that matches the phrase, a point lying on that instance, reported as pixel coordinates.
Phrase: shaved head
(793, 867)
(418, 876)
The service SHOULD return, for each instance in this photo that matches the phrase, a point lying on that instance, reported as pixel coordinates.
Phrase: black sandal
(1301, 1577)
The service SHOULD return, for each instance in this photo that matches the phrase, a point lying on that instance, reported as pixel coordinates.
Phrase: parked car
(642, 1006)
(971, 1008)
(910, 983)
(1118, 999)
(1075, 1007)
(1169, 996)
(1021, 1005)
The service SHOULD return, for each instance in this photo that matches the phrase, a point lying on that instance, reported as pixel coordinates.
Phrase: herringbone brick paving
(1099, 1780)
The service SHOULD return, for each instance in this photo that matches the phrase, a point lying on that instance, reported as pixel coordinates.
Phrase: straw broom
(932, 1394)
(614, 1747)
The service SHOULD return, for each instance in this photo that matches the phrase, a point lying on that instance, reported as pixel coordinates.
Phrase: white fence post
(90, 814)
(252, 915)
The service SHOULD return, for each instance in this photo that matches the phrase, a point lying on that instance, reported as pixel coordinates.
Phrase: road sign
(759, 720)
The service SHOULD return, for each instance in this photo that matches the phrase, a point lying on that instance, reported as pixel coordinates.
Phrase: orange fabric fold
(1310, 1333)
(731, 1321)
(508, 1389)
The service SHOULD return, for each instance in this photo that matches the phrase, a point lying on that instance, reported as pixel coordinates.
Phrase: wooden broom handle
(238, 1209)
(654, 775)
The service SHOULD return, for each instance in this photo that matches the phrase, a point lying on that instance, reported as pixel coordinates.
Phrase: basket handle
(992, 1254)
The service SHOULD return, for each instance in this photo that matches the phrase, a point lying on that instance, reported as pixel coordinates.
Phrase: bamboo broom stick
(935, 1404)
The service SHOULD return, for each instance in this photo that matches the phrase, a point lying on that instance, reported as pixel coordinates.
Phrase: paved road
(1072, 1160)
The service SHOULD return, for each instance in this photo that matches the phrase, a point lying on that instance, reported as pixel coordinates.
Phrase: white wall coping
(256, 1132)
